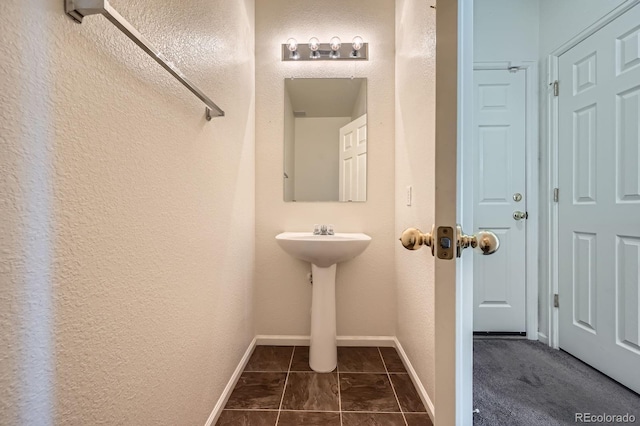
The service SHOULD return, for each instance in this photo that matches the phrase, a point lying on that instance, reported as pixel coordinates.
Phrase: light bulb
(357, 43)
(335, 43)
(292, 44)
(314, 44)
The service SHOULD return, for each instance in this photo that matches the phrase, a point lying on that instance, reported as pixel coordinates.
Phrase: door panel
(599, 218)
(353, 161)
(627, 288)
(584, 154)
(627, 136)
(584, 284)
(499, 173)
(494, 165)
(361, 167)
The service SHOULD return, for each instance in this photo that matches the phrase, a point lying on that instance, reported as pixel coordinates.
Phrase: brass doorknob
(413, 239)
(484, 242)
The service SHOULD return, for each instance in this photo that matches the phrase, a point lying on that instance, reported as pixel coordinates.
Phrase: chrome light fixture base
(324, 53)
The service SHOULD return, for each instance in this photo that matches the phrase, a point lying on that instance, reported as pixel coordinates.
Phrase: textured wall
(562, 20)
(127, 220)
(365, 286)
(415, 146)
(505, 30)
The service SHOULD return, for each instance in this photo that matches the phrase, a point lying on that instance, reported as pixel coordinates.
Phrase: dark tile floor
(369, 387)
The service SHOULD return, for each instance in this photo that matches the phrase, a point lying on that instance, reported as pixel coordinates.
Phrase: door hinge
(556, 194)
(556, 88)
(556, 301)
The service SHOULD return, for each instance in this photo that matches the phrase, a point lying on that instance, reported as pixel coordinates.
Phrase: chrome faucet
(323, 230)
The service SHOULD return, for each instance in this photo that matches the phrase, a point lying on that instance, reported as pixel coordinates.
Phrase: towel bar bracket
(78, 9)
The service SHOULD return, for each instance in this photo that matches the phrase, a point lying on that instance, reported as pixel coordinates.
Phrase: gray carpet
(524, 382)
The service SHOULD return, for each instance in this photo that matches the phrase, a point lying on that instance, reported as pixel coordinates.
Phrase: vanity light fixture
(357, 44)
(314, 45)
(335, 44)
(332, 51)
(292, 46)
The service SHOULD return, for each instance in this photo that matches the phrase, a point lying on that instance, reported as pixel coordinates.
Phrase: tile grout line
(284, 389)
(391, 373)
(392, 387)
(339, 394)
(315, 411)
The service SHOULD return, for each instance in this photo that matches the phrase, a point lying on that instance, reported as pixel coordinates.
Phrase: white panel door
(353, 161)
(499, 173)
(599, 207)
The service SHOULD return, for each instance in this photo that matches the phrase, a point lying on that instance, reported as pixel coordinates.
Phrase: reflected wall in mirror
(325, 139)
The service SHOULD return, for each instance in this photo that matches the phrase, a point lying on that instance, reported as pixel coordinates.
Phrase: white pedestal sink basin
(323, 252)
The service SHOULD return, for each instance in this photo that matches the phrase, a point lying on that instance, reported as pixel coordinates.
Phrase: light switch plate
(409, 195)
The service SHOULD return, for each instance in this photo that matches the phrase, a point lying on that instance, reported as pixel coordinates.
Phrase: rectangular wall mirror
(325, 139)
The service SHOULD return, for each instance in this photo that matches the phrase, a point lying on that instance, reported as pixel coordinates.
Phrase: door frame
(552, 144)
(532, 188)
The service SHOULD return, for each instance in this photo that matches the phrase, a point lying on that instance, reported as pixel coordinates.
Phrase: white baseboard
(284, 340)
(226, 393)
(383, 341)
(422, 392)
(543, 338)
(281, 340)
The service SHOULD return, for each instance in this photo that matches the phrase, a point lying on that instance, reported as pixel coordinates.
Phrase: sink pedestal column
(323, 351)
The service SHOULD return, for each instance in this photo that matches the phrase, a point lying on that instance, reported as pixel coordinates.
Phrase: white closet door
(499, 291)
(599, 178)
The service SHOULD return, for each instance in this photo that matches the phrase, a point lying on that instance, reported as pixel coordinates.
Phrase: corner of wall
(414, 144)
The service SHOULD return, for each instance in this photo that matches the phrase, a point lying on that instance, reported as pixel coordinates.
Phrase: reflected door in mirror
(353, 160)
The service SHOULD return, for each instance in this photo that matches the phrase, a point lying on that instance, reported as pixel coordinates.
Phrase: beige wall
(127, 219)
(360, 105)
(366, 300)
(415, 146)
(318, 157)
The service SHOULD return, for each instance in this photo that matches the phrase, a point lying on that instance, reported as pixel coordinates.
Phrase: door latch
(445, 237)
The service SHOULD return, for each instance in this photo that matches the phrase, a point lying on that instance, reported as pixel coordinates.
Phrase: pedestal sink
(323, 252)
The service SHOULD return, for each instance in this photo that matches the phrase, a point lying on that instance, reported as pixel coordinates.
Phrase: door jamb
(464, 292)
(532, 166)
(552, 141)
